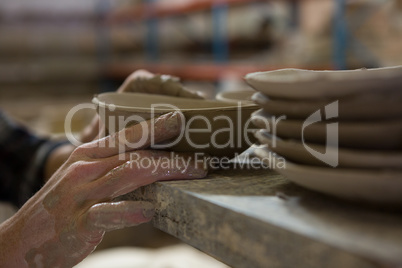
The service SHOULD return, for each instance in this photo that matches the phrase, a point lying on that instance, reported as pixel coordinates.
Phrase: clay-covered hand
(64, 221)
(139, 81)
(142, 81)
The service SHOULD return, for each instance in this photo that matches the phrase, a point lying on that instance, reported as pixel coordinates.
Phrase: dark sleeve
(22, 161)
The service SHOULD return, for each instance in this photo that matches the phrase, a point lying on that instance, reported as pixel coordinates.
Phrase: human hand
(64, 221)
(141, 81)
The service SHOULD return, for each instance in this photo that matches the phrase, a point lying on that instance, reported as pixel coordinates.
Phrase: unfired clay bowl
(227, 121)
(307, 84)
(372, 186)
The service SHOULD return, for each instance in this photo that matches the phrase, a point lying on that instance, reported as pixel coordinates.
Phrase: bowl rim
(224, 105)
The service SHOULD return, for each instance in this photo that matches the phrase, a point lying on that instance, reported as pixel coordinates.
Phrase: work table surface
(257, 218)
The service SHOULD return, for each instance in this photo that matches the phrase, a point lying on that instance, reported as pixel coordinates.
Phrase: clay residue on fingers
(111, 216)
(171, 87)
(167, 126)
(180, 167)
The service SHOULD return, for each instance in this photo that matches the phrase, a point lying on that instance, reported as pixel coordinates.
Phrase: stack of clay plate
(337, 132)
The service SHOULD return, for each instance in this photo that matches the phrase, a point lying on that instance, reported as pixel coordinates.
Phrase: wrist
(12, 251)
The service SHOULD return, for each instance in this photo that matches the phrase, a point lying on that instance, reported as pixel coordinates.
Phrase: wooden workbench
(258, 218)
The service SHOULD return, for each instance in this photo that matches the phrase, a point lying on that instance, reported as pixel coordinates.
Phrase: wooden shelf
(238, 217)
(145, 11)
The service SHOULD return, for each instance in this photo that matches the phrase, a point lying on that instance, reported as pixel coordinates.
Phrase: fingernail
(197, 170)
(148, 212)
(173, 121)
(148, 209)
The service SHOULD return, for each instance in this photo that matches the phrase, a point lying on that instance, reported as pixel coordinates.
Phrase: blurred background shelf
(81, 48)
(165, 9)
(200, 72)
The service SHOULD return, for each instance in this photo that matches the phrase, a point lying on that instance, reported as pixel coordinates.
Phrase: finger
(173, 87)
(184, 93)
(127, 85)
(136, 137)
(170, 87)
(143, 168)
(86, 171)
(149, 85)
(156, 84)
(145, 82)
(117, 215)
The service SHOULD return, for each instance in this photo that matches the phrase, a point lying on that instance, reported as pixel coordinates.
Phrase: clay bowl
(307, 84)
(295, 151)
(375, 186)
(212, 127)
(243, 96)
(370, 106)
(372, 135)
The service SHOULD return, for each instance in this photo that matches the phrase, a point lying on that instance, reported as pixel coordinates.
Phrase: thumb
(117, 215)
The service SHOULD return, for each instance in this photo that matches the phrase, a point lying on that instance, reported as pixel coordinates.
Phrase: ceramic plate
(368, 106)
(212, 127)
(295, 151)
(376, 135)
(307, 84)
(374, 186)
